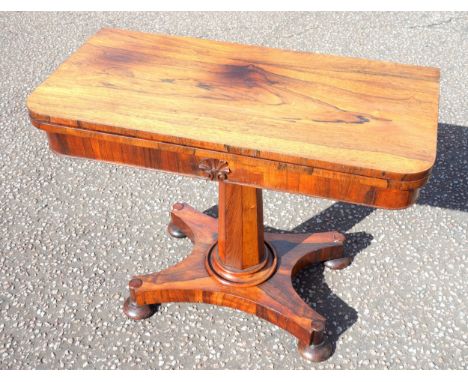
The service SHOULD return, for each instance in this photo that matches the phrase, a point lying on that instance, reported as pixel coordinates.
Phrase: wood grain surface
(240, 213)
(352, 116)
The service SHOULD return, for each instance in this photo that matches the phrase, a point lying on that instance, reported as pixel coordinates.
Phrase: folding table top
(348, 115)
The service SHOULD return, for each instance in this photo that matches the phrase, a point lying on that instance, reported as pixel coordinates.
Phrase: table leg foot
(138, 312)
(315, 352)
(175, 231)
(337, 264)
(188, 222)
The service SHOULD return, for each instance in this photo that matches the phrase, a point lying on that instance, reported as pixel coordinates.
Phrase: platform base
(274, 299)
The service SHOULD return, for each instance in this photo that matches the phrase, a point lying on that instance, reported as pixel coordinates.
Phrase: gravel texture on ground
(73, 231)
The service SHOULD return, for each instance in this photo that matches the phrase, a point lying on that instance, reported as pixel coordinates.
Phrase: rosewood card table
(247, 118)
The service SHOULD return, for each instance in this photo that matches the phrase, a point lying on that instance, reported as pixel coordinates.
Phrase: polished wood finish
(243, 170)
(348, 115)
(274, 300)
(240, 238)
(240, 255)
(249, 118)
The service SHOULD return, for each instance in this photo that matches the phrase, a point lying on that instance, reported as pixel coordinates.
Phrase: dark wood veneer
(249, 118)
(274, 299)
(262, 173)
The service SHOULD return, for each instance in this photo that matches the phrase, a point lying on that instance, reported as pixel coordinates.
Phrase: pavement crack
(434, 24)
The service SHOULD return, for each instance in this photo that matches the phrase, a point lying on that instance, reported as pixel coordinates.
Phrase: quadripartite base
(274, 299)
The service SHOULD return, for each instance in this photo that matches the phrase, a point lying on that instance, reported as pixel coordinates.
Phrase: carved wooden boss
(248, 118)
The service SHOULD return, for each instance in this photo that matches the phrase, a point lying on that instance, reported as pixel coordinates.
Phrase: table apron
(231, 168)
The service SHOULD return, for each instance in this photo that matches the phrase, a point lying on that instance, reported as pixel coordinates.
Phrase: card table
(248, 118)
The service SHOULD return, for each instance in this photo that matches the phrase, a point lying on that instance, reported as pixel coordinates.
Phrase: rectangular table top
(349, 115)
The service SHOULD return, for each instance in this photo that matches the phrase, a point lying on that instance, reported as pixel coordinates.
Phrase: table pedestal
(234, 263)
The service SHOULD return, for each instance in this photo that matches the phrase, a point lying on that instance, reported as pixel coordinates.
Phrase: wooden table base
(235, 264)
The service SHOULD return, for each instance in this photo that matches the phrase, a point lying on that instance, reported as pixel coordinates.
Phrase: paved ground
(73, 231)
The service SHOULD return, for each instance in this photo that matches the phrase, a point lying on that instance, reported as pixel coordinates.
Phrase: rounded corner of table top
(38, 120)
